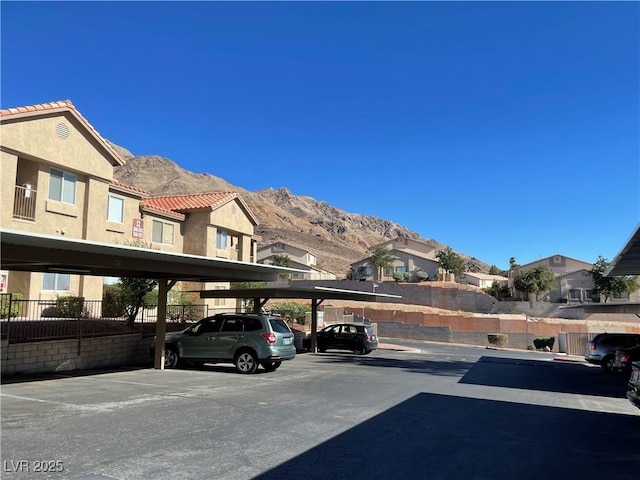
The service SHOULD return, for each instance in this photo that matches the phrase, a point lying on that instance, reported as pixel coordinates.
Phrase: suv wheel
(171, 357)
(246, 362)
(271, 366)
(607, 363)
(360, 350)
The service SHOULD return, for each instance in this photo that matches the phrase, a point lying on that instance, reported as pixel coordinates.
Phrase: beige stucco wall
(38, 137)
(8, 169)
(196, 234)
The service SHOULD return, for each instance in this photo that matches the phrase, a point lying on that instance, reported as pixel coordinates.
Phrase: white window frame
(61, 282)
(112, 215)
(65, 189)
(222, 235)
(163, 232)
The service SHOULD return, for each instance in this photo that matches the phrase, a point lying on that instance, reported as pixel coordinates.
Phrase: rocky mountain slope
(336, 237)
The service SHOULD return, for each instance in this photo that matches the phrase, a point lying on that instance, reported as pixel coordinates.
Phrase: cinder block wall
(66, 355)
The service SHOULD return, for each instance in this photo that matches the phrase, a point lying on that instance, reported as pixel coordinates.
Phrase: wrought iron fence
(74, 317)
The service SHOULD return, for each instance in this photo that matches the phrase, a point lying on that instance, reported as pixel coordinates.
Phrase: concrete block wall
(66, 355)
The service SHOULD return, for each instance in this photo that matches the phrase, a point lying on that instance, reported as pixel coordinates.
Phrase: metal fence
(74, 317)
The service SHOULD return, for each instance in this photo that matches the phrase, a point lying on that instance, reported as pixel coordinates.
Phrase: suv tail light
(593, 346)
(366, 335)
(625, 357)
(270, 338)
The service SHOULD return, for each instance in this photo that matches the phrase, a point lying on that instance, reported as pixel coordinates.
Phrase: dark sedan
(359, 339)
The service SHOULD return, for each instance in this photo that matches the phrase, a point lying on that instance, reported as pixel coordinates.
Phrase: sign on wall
(138, 228)
(4, 278)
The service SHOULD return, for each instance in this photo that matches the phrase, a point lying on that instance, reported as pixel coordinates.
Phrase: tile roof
(165, 212)
(116, 185)
(59, 106)
(185, 203)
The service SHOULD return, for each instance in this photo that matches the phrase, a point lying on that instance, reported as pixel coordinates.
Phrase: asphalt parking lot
(447, 412)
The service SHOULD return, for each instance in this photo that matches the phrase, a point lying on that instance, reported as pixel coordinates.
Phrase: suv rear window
(278, 325)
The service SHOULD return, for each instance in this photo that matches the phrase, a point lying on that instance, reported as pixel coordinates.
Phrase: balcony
(24, 203)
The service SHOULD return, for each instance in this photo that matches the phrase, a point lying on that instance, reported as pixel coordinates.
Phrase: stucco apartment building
(298, 258)
(411, 256)
(57, 179)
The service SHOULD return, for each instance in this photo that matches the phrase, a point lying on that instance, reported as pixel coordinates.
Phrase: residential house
(298, 258)
(410, 255)
(484, 280)
(573, 282)
(57, 176)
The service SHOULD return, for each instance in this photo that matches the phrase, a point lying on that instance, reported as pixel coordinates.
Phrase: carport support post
(314, 323)
(164, 286)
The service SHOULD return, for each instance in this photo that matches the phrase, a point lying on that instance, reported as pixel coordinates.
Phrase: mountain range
(337, 238)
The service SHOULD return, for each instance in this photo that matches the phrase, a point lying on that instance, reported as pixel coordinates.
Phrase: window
(162, 232)
(401, 268)
(115, 211)
(221, 240)
(62, 186)
(56, 282)
(574, 294)
(388, 271)
(232, 325)
(220, 302)
(252, 325)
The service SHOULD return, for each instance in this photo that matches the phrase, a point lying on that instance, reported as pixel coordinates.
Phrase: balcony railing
(24, 203)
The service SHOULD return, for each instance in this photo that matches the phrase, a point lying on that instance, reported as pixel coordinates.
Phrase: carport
(30, 252)
(317, 295)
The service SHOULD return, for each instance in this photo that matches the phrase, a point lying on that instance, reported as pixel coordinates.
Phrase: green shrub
(16, 305)
(114, 303)
(498, 339)
(70, 307)
(422, 276)
(398, 276)
(292, 311)
(542, 342)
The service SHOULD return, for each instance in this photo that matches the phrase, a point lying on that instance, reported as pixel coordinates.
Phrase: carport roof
(315, 293)
(24, 251)
(627, 262)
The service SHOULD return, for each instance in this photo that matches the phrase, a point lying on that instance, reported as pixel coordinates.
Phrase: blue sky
(502, 129)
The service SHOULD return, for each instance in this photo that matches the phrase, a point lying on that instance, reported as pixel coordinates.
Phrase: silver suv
(245, 340)
(601, 349)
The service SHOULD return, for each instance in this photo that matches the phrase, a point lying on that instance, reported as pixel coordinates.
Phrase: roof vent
(62, 130)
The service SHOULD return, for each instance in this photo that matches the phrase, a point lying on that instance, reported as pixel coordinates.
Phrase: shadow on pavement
(448, 437)
(37, 377)
(546, 376)
(431, 367)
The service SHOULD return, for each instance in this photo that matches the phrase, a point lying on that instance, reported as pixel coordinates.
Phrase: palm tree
(380, 258)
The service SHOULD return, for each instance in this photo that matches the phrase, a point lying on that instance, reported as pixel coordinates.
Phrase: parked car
(601, 349)
(359, 339)
(634, 384)
(624, 357)
(245, 340)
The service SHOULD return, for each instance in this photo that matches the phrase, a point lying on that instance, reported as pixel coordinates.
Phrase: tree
(450, 261)
(247, 303)
(380, 258)
(512, 264)
(536, 280)
(611, 286)
(134, 291)
(282, 261)
(493, 270)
